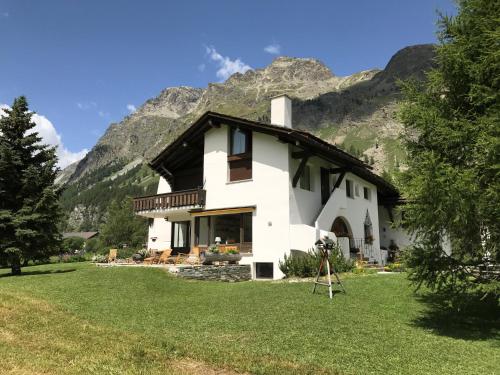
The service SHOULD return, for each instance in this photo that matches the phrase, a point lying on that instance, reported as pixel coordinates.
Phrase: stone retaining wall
(230, 272)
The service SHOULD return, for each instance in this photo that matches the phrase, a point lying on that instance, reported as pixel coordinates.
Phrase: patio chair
(152, 259)
(165, 257)
(113, 253)
(193, 257)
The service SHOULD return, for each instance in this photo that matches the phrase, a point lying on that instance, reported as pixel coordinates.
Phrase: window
(240, 142)
(348, 188)
(240, 155)
(180, 236)
(232, 229)
(305, 179)
(264, 270)
(367, 193)
(356, 190)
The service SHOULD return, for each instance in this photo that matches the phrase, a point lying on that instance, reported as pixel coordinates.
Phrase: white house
(268, 189)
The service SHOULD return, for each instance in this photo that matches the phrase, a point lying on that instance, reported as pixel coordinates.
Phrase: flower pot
(209, 258)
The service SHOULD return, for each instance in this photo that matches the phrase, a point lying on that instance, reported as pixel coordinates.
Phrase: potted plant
(369, 239)
(213, 254)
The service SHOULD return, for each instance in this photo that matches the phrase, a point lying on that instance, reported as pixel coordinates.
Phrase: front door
(325, 185)
(181, 231)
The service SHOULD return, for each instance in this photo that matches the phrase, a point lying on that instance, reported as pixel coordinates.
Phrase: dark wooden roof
(189, 145)
(84, 235)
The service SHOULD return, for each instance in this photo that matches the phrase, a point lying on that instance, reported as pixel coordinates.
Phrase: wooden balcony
(177, 199)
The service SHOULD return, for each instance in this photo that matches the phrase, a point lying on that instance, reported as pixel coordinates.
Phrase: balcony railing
(185, 198)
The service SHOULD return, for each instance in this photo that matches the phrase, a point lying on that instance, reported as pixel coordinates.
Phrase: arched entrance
(341, 227)
(343, 232)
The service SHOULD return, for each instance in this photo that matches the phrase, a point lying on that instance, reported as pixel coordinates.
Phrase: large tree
(452, 183)
(29, 208)
(121, 226)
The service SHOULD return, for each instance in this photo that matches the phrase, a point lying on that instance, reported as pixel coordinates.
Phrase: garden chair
(192, 258)
(165, 257)
(152, 259)
(113, 253)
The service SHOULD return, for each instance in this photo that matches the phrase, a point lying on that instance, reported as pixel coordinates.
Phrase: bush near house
(307, 264)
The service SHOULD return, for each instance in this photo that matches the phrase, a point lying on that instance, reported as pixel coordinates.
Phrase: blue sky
(84, 64)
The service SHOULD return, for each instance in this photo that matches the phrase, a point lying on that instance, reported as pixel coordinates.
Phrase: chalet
(268, 189)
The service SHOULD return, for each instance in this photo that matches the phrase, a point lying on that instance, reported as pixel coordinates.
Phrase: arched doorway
(343, 232)
(341, 227)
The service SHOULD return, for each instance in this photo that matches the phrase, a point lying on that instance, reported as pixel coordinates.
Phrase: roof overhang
(177, 152)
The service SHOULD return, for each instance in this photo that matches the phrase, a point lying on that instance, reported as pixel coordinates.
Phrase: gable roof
(84, 235)
(174, 155)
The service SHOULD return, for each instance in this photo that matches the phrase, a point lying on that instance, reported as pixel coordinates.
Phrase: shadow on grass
(34, 273)
(473, 320)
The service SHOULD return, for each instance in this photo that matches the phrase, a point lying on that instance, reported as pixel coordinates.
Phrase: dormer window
(240, 154)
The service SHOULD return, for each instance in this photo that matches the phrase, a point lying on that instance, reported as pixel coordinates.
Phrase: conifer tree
(29, 208)
(452, 183)
(122, 226)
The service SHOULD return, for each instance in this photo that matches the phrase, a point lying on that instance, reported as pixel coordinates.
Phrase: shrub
(394, 267)
(307, 264)
(68, 258)
(72, 244)
(99, 258)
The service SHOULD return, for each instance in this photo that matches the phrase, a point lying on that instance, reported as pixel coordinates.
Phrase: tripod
(324, 246)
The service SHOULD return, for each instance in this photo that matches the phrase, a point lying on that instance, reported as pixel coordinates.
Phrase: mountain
(356, 112)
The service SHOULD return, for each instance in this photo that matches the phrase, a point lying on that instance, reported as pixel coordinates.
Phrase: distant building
(84, 235)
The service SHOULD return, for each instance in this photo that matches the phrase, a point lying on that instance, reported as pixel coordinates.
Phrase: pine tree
(122, 226)
(452, 182)
(29, 208)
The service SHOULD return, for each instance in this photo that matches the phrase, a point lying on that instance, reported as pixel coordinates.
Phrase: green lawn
(77, 318)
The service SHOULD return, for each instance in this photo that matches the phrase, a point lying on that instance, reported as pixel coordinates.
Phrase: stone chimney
(281, 111)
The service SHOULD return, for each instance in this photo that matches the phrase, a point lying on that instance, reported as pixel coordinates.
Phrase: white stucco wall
(160, 229)
(306, 208)
(267, 190)
(390, 232)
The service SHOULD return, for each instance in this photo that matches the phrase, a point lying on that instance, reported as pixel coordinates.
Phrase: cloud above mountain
(273, 49)
(226, 66)
(51, 137)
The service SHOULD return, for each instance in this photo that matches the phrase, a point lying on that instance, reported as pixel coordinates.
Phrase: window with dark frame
(240, 154)
(366, 193)
(305, 179)
(348, 188)
(232, 229)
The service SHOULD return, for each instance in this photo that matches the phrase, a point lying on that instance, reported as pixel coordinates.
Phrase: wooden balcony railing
(194, 197)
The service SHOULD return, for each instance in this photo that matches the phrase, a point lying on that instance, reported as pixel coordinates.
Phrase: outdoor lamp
(218, 240)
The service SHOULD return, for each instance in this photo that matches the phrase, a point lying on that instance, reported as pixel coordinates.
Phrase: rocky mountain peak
(172, 102)
(410, 61)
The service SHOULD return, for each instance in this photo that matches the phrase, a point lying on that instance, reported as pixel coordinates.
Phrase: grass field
(80, 319)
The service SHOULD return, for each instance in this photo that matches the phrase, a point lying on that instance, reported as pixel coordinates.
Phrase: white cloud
(86, 105)
(103, 114)
(131, 108)
(227, 67)
(4, 14)
(273, 49)
(49, 136)
(201, 67)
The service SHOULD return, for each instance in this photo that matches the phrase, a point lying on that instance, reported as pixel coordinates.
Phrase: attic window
(305, 178)
(240, 141)
(348, 188)
(367, 193)
(240, 155)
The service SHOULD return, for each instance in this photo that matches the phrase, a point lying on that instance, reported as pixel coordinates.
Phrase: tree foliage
(29, 209)
(452, 138)
(122, 226)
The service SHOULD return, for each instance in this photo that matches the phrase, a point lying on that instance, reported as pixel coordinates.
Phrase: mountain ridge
(356, 112)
